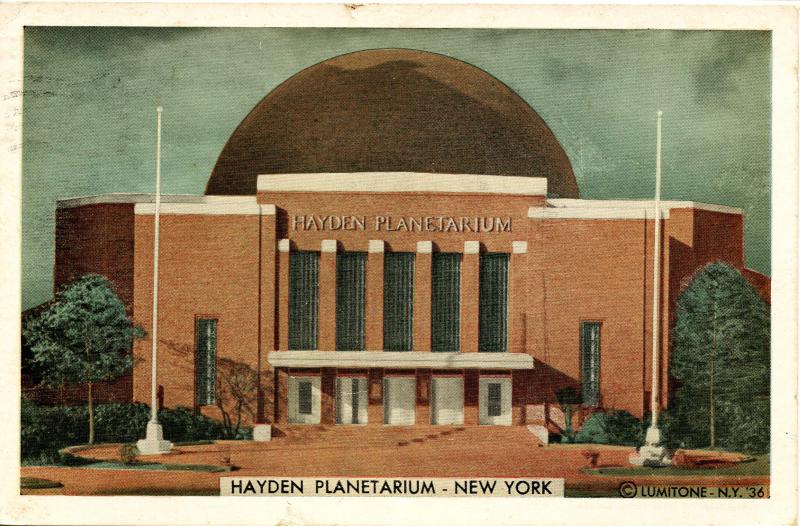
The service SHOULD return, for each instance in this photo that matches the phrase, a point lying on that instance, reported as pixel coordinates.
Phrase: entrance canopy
(403, 360)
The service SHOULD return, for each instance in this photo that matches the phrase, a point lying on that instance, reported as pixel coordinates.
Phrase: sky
(90, 96)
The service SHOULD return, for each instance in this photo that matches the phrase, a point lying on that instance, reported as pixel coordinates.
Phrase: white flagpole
(157, 223)
(652, 453)
(656, 281)
(154, 443)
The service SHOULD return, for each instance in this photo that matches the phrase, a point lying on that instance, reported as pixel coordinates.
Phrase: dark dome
(391, 110)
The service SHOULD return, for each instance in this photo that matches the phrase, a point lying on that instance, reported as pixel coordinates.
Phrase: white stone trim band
(401, 182)
(329, 246)
(206, 209)
(284, 245)
(436, 360)
(519, 247)
(425, 247)
(593, 213)
(618, 208)
(134, 198)
(376, 246)
(268, 210)
(472, 247)
(125, 198)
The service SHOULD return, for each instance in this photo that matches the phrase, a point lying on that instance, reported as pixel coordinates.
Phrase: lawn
(759, 466)
(37, 483)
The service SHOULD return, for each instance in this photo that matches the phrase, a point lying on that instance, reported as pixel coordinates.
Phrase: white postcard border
(779, 509)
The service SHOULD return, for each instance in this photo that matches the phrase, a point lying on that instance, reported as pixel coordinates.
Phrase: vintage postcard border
(779, 509)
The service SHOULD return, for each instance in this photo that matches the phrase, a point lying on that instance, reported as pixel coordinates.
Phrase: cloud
(717, 77)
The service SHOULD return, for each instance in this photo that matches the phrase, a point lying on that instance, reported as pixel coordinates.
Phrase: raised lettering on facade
(478, 224)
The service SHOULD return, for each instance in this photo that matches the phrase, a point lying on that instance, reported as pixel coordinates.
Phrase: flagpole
(656, 282)
(652, 453)
(154, 443)
(157, 224)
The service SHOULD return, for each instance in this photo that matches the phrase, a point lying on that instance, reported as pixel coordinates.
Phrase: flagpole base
(651, 454)
(154, 443)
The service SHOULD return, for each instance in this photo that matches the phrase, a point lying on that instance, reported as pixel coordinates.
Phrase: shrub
(741, 429)
(182, 425)
(613, 427)
(569, 399)
(128, 423)
(128, 453)
(237, 385)
(121, 422)
(68, 458)
(45, 430)
(245, 433)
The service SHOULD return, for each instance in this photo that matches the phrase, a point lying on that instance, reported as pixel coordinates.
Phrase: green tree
(83, 337)
(721, 359)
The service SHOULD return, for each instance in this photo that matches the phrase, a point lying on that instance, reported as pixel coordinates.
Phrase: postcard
(395, 264)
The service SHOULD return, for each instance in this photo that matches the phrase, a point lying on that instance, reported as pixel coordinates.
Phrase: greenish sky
(90, 95)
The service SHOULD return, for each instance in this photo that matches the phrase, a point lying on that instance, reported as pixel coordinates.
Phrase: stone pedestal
(540, 432)
(154, 443)
(262, 433)
(651, 454)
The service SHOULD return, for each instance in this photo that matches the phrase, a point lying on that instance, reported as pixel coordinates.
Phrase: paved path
(357, 451)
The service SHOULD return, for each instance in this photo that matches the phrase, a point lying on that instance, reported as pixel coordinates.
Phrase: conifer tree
(721, 360)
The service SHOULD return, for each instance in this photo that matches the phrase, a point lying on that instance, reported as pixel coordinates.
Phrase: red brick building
(362, 288)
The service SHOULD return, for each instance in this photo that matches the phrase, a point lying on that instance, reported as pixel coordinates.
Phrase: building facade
(390, 273)
(399, 298)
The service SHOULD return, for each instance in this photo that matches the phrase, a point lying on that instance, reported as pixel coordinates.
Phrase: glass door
(351, 400)
(399, 400)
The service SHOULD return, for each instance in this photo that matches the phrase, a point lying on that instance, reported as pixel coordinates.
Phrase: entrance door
(447, 400)
(399, 401)
(495, 401)
(304, 399)
(351, 400)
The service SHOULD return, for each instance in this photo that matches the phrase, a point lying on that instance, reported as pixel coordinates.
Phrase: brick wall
(210, 266)
(95, 239)
(590, 270)
(602, 270)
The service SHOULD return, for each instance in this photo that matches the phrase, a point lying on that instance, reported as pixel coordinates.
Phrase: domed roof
(391, 110)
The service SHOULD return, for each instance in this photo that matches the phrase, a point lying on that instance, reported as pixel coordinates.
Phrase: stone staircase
(400, 436)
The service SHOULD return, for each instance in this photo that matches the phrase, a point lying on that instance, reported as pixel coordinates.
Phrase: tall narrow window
(205, 361)
(303, 300)
(398, 301)
(446, 302)
(493, 303)
(590, 363)
(350, 279)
